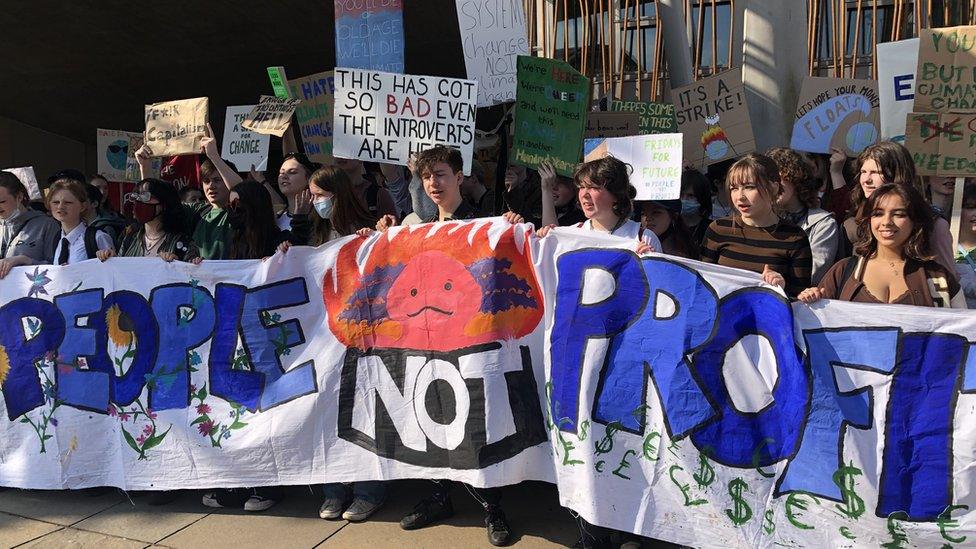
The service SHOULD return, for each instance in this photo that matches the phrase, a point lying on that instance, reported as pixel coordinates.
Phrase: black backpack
(91, 245)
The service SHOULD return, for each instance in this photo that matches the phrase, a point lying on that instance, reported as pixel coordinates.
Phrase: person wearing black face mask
(156, 207)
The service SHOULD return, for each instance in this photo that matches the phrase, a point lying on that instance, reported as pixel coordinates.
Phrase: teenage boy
(441, 170)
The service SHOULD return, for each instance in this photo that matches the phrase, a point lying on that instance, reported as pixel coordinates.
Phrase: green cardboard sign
(654, 117)
(279, 82)
(550, 114)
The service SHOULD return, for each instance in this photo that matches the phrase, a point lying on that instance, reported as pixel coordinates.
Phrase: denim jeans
(373, 491)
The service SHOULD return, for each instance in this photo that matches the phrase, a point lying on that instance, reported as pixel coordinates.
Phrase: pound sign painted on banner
(897, 533)
(740, 512)
(567, 447)
(793, 501)
(705, 475)
(946, 522)
(685, 488)
(844, 479)
(606, 444)
(624, 464)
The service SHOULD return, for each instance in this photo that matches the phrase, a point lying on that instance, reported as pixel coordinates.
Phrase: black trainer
(498, 531)
(427, 512)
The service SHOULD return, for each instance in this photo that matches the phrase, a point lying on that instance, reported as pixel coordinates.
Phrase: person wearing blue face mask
(335, 210)
(696, 204)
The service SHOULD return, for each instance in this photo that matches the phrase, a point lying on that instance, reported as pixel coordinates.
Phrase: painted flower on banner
(437, 287)
(120, 328)
(39, 280)
(209, 427)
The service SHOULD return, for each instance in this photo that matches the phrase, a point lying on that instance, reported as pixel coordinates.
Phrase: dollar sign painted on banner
(844, 479)
(898, 536)
(740, 512)
(583, 428)
(793, 501)
(606, 444)
(768, 525)
(946, 522)
(705, 475)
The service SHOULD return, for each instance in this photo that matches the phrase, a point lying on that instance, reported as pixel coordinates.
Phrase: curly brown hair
(613, 175)
(794, 169)
(918, 245)
(435, 155)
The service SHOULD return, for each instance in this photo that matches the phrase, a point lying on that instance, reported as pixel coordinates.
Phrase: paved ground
(34, 518)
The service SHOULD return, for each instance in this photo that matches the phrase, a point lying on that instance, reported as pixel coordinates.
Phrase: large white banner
(684, 401)
(492, 37)
(897, 63)
(386, 117)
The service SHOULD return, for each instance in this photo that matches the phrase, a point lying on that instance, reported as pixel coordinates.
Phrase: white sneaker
(258, 502)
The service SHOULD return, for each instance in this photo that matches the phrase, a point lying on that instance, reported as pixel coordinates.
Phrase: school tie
(65, 250)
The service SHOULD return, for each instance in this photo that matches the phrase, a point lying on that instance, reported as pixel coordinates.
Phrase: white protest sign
(655, 159)
(27, 176)
(385, 117)
(897, 63)
(241, 146)
(492, 37)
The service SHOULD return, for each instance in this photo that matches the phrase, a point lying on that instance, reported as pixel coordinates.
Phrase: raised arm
(208, 146)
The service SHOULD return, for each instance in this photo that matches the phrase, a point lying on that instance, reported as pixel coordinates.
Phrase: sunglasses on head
(142, 196)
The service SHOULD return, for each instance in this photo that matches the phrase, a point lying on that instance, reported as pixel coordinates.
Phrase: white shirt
(284, 221)
(631, 229)
(76, 241)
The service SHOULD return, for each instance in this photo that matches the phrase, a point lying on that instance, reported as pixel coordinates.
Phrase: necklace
(620, 223)
(154, 241)
(897, 267)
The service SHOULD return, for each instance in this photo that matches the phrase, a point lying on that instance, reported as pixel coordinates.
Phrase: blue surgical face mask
(323, 207)
(690, 207)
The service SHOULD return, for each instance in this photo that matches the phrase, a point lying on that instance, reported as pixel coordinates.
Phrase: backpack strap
(91, 244)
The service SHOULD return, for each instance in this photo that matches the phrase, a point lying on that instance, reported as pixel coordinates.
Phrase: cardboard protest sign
(942, 143)
(369, 35)
(714, 118)
(317, 92)
(655, 159)
(897, 62)
(836, 113)
(271, 115)
(386, 117)
(611, 124)
(27, 176)
(176, 127)
(945, 79)
(550, 114)
(492, 37)
(279, 82)
(115, 150)
(241, 146)
(654, 117)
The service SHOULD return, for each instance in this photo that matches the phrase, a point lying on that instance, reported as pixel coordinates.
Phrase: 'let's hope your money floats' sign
(386, 117)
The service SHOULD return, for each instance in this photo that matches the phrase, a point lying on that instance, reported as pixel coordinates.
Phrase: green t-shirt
(210, 231)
